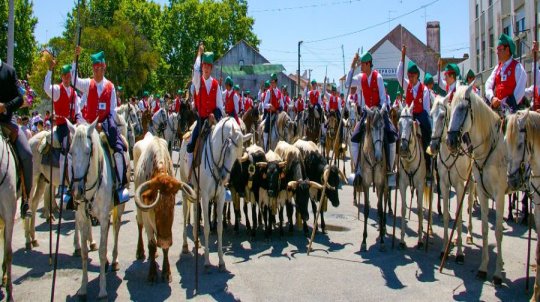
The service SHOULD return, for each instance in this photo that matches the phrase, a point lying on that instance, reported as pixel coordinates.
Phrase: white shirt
(357, 82)
(529, 92)
(521, 80)
(426, 101)
(196, 84)
(267, 98)
(141, 105)
(49, 89)
(307, 93)
(84, 86)
(328, 96)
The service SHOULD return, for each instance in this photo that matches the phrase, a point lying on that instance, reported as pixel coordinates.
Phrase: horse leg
(403, 193)
(420, 204)
(81, 221)
(166, 269)
(382, 221)
(484, 209)
(205, 204)
(510, 208)
(445, 192)
(139, 255)
(525, 209)
(30, 230)
(290, 211)
(117, 222)
(363, 246)
(281, 221)
(323, 224)
(470, 199)
(93, 245)
(254, 218)
(8, 254)
(497, 277)
(220, 203)
(459, 220)
(536, 293)
(185, 212)
(152, 271)
(103, 262)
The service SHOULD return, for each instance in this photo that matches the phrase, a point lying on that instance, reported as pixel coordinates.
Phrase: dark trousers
(389, 129)
(270, 116)
(62, 133)
(24, 153)
(425, 128)
(195, 134)
(113, 136)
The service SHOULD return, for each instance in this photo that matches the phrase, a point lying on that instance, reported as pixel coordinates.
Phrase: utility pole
(344, 74)
(11, 38)
(299, 82)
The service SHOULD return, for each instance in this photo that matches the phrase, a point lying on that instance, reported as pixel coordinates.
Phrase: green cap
(98, 58)
(229, 81)
(452, 68)
(366, 58)
(247, 91)
(236, 87)
(334, 88)
(342, 94)
(284, 87)
(120, 88)
(66, 69)
(470, 74)
(273, 77)
(412, 68)
(428, 78)
(208, 57)
(385, 85)
(179, 91)
(145, 93)
(266, 83)
(506, 40)
(157, 95)
(313, 81)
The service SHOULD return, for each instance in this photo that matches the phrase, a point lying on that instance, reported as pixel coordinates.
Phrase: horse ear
(469, 90)
(92, 127)
(411, 106)
(71, 127)
(247, 137)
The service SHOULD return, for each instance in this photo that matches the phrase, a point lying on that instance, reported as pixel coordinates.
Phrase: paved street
(280, 270)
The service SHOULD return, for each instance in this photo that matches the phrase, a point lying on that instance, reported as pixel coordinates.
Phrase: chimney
(433, 35)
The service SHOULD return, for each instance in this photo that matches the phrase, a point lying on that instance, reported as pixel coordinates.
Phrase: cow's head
(272, 174)
(300, 188)
(331, 177)
(158, 194)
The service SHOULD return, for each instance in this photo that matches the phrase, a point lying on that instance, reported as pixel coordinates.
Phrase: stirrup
(123, 195)
(391, 177)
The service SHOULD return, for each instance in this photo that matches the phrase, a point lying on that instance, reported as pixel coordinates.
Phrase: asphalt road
(280, 270)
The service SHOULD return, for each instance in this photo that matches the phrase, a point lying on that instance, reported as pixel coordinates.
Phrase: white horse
(165, 126)
(412, 171)
(522, 139)
(93, 179)
(473, 118)
(452, 172)
(41, 190)
(8, 207)
(223, 146)
(132, 121)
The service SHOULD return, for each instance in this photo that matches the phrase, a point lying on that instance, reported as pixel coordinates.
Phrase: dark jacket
(9, 92)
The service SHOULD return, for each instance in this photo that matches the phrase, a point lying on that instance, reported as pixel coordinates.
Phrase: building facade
(487, 20)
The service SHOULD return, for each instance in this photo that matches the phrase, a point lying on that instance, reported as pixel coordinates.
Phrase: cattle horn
(189, 191)
(325, 178)
(262, 164)
(292, 184)
(282, 164)
(138, 194)
(244, 157)
(342, 176)
(315, 185)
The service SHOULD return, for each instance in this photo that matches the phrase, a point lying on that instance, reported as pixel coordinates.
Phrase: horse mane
(439, 101)
(532, 126)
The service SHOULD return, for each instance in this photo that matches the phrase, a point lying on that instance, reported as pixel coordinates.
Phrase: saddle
(199, 144)
(50, 152)
(109, 153)
(10, 134)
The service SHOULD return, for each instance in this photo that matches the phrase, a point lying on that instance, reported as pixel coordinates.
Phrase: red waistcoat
(61, 106)
(248, 103)
(229, 102)
(299, 105)
(98, 106)
(274, 99)
(370, 91)
(314, 97)
(418, 101)
(536, 103)
(505, 88)
(206, 102)
(333, 103)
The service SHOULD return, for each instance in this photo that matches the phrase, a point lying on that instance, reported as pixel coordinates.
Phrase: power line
(303, 6)
(374, 25)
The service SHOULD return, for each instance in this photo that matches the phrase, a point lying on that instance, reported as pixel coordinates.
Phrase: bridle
(83, 179)
(522, 169)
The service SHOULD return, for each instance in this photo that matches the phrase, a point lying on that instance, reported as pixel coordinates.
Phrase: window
(520, 19)
(506, 30)
(483, 55)
(491, 45)
(476, 10)
(490, 2)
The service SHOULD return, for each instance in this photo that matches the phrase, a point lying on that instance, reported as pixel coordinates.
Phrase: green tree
(25, 42)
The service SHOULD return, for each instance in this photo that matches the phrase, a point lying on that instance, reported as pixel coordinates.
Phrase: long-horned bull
(161, 183)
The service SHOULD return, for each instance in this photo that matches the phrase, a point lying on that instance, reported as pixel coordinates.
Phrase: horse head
(461, 118)
(518, 149)
(375, 132)
(84, 147)
(133, 119)
(229, 146)
(440, 117)
(407, 131)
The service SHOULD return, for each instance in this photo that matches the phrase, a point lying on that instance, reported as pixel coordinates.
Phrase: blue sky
(280, 24)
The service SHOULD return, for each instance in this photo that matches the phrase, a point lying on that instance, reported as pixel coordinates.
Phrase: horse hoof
(497, 281)
(323, 231)
(185, 249)
(93, 247)
(35, 243)
(460, 259)
(166, 278)
(363, 247)
(82, 297)
(140, 256)
(481, 275)
(151, 277)
(28, 246)
(107, 265)
(222, 267)
(103, 297)
(77, 253)
(115, 266)
(420, 245)
(402, 246)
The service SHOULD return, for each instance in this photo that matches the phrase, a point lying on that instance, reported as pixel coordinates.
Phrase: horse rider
(286, 97)
(470, 79)
(449, 81)
(11, 99)
(232, 100)
(273, 103)
(119, 96)
(315, 100)
(156, 103)
(429, 83)
(333, 106)
(247, 102)
(529, 92)
(66, 105)
(208, 97)
(143, 103)
(177, 101)
(417, 93)
(506, 84)
(371, 92)
(100, 104)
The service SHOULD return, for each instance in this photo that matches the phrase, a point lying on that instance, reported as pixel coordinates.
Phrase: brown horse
(313, 129)
(146, 118)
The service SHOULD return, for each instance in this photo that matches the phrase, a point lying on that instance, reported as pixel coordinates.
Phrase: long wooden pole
(457, 220)
(434, 160)
(52, 118)
(334, 158)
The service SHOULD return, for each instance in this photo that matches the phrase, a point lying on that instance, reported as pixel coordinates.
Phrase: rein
(99, 177)
(412, 157)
